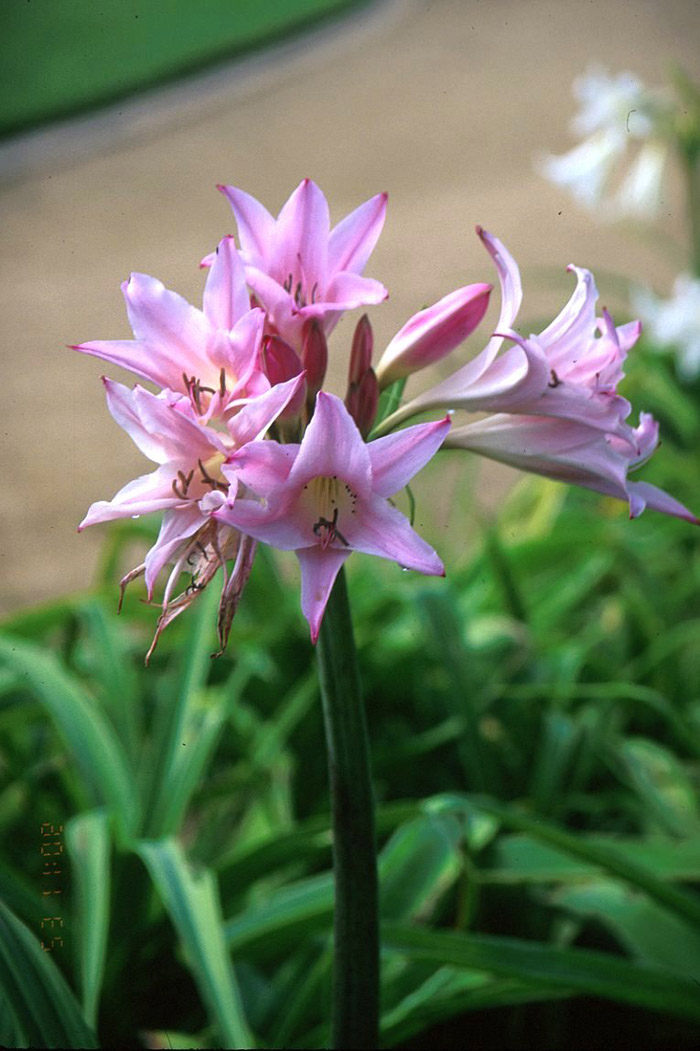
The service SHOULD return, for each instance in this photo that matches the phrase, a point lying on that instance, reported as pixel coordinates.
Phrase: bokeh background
(445, 104)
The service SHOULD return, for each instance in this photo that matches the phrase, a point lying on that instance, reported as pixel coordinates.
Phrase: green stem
(356, 929)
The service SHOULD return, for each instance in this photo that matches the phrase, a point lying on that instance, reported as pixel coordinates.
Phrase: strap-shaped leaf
(87, 838)
(39, 1008)
(191, 899)
(93, 744)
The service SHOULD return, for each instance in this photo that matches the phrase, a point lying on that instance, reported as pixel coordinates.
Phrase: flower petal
(254, 419)
(332, 445)
(176, 526)
(318, 572)
(303, 226)
(384, 531)
(165, 320)
(150, 492)
(256, 227)
(226, 297)
(345, 291)
(352, 241)
(398, 457)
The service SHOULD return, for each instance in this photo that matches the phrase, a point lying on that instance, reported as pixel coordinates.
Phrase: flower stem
(356, 930)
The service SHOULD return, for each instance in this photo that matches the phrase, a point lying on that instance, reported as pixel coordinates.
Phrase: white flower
(615, 111)
(674, 323)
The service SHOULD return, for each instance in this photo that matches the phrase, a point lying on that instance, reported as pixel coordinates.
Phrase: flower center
(201, 395)
(205, 475)
(330, 504)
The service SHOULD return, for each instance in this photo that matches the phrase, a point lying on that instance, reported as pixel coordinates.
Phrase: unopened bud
(314, 356)
(367, 402)
(361, 353)
(281, 363)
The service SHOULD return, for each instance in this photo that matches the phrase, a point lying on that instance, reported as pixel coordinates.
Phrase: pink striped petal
(333, 445)
(256, 227)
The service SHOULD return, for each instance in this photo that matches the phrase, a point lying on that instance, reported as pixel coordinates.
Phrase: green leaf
(646, 931)
(389, 400)
(89, 737)
(87, 839)
(191, 727)
(191, 899)
(664, 788)
(576, 970)
(41, 1009)
(418, 864)
(609, 857)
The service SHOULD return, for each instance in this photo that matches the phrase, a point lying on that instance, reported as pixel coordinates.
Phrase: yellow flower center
(330, 504)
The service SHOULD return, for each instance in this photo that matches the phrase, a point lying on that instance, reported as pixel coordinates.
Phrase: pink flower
(570, 370)
(432, 333)
(210, 354)
(298, 267)
(327, 497)
(190, 457)
(570, 451)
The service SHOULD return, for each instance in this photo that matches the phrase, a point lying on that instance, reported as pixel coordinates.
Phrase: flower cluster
(618, 118)
(250, 448)
(674, 323)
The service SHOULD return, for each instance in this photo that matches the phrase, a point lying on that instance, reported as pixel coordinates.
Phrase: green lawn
(64, 56)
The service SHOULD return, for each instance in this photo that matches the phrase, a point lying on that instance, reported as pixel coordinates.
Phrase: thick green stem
(356, 929)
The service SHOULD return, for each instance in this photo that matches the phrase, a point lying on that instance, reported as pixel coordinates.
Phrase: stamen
(222, 382)
(208, 480)
(184, 481)
(554, 380)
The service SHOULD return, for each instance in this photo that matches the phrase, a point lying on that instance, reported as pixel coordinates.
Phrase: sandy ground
(443, 104)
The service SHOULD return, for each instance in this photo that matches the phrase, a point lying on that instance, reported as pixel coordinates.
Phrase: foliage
(535, 726)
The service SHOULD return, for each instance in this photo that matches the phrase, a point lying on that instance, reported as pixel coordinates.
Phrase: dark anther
(298, 297)
(222, 382)
(313, 292)
(208, 480)
(287, 286)
(333, 531)
(184, 481)
(554, 380)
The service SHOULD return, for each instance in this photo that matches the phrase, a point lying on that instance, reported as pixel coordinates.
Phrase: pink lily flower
(570, 370)
(570, 451)
(328, 496)
(190, 457)
(210, 354)
(297, 267)
(432, 333)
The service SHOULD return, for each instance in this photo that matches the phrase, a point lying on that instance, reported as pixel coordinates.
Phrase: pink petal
(332, 445)
(318, 572)
(262, 466)
(384, 531)
(226, 297)
(237, 351)
(150, 492)
(147, 361)
(254, 419)
(643, 494)
(176, 526)
(352, 241)
(286, 532)
(346, 291)
(398, 457)
(303, 226)
(432, 333)
(574, 326)
(256, 227)
(164, 319)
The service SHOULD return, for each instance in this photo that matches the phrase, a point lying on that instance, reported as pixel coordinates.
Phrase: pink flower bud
(361, 353)
(432, 333)
(314, 356)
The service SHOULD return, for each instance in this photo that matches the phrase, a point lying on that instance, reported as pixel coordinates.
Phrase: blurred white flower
(674, 323)
(615, 111)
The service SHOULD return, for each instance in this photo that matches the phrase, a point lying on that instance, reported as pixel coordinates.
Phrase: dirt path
(443, 104)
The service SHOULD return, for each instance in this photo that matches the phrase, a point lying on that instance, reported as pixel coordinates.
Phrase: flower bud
(314, 356)
(432, 333)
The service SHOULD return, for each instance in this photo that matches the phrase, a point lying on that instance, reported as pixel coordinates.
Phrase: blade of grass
(43, 1007)
(578, 970)
(192, 901)
(89, 737)
(88, 842)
